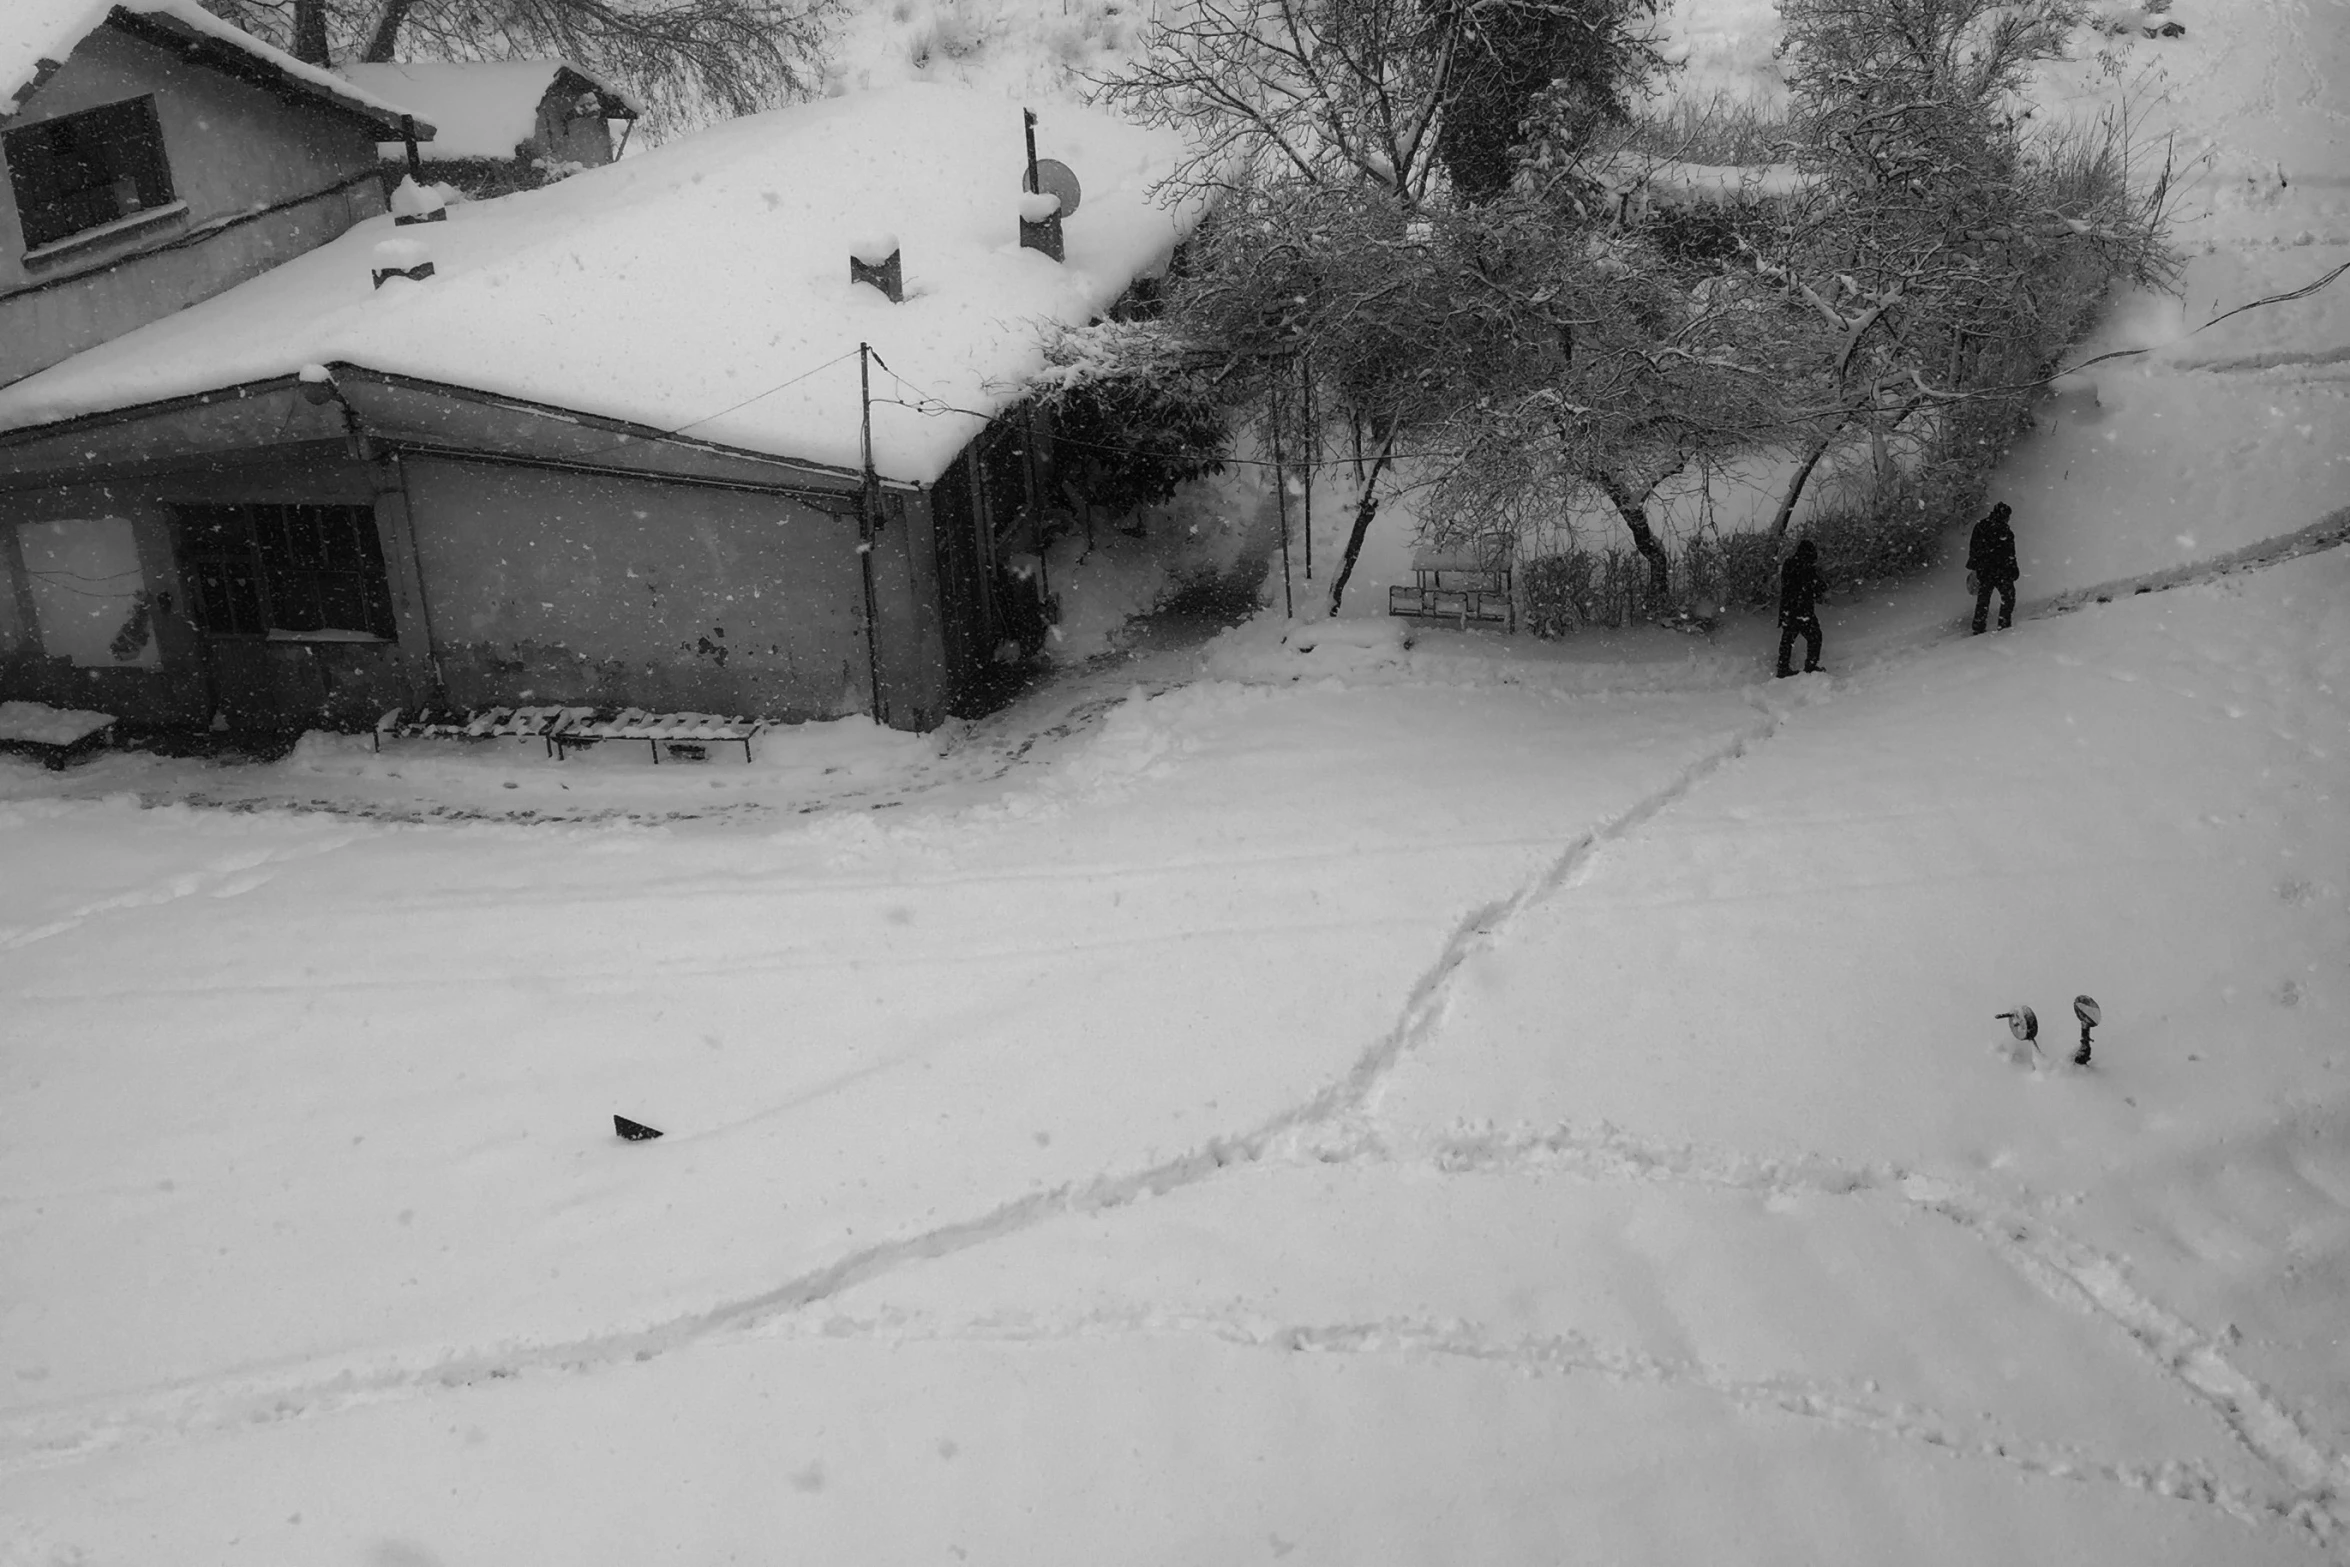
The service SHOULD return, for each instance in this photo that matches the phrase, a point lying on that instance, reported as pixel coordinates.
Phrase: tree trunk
(1878, 451)
(1644, 539)
(1366, 507)
(383, 43)
(1802, 477)
(310, 32)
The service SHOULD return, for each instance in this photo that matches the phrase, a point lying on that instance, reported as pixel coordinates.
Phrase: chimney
(406, 258)
(415, 202)
(1040, 222)
(876, 261)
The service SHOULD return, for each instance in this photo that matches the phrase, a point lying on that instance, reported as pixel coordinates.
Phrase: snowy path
(848, 1031)
(1014, 1168)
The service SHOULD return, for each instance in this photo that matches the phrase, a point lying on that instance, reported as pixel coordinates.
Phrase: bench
(1460, 586)
(486, 723)
(56, 736)
(676, 737)
(686, 737)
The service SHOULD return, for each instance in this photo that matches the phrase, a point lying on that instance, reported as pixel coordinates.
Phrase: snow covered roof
(37, 35)
(704, 286)
(482, 108)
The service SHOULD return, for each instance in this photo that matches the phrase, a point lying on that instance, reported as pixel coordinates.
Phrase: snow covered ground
(1461, 1102)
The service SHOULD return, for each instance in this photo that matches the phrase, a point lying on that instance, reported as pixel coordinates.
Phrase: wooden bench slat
(562, 728)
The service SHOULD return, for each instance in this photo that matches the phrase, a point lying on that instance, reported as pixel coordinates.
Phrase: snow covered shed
(155, 156)
(611, 449)
(502, 124)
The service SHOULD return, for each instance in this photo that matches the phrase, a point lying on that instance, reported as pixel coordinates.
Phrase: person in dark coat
(1799, 593)
(1991, 567)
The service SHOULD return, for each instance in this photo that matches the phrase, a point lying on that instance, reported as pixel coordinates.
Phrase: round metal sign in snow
(1055, 178)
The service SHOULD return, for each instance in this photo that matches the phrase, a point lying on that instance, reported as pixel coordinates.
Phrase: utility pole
(868, 528)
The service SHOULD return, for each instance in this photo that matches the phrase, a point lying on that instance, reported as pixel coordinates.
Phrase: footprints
(2317, 1480)
(2329, 532)
(2312, 1483)
(1326, 1119)
(1337, 1123)
(228, 876)
(1861, 1406)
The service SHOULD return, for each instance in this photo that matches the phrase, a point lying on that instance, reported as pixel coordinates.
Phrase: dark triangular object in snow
(634, 1131)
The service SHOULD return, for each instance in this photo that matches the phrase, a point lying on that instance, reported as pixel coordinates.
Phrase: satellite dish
(1055, 178)
(2022, 1024)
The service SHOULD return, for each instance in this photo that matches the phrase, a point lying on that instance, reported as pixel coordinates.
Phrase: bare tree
(1618, 374)
(1360, 226)
(1314, 92)
(1947, 253)
(736, 55)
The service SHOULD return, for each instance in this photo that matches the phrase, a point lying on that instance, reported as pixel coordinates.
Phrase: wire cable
(669, 434)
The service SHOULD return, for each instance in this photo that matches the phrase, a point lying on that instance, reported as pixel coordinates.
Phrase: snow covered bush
(1370, 239)
(1950, 251)
(1721, 129)
(1868, 532)
(1126, 434)
(947, 30)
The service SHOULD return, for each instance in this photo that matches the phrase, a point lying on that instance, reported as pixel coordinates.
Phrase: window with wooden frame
(286, 571)
(83, 171)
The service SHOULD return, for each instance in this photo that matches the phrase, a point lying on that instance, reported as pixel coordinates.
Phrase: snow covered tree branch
(737, 56)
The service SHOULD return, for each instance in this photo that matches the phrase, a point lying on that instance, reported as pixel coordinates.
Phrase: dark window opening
(254, 570)
(81, 171)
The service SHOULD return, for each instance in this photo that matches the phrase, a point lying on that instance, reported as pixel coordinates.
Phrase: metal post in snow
(1281, 503)
(868, 499)
(1313, 450)
(865, 411)
(1028, 124)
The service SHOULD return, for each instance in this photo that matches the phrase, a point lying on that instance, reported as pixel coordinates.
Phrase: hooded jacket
(1990, 550)
(1800, 584)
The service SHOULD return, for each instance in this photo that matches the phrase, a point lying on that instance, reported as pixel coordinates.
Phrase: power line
(83, 576)
(770, 392)
(67, 587)
(723, 412)
(934, 406)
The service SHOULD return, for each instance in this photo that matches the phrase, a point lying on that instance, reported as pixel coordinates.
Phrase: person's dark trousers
(1808, 627)
(2006, 592)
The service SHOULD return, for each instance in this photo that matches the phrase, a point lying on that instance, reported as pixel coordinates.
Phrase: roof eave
(617, 105)
(409, 412)
(200, 47)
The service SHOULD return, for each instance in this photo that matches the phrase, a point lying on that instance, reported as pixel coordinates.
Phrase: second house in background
(503, 125)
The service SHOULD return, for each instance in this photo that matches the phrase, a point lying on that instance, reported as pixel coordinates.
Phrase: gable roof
(37, 35)
(704, 287)
(483, 108)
